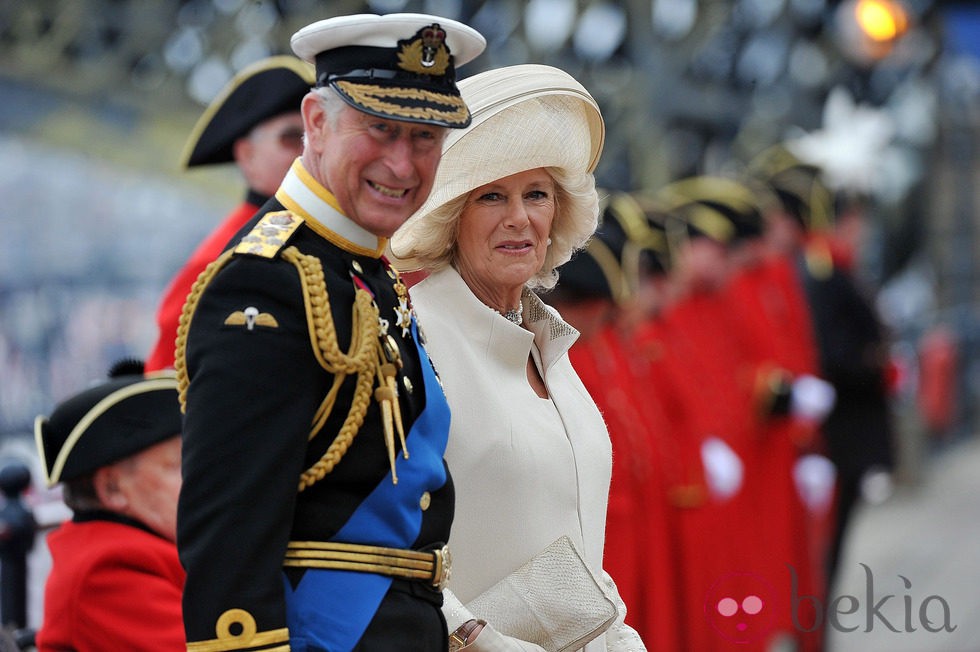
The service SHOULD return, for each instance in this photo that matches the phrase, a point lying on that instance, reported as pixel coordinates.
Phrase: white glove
(490, 640)
(723, 469)
(815, 476)
(620, 637)
(811, 398)
(877, 485)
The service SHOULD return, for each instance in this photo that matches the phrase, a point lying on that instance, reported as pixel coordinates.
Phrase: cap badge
(425, 53)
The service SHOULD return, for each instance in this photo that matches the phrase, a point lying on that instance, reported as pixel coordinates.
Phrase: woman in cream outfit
(529, 452)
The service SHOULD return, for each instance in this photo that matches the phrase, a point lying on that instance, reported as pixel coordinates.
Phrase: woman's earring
(549, 242)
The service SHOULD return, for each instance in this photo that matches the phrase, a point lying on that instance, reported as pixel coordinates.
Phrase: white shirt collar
(305, 196)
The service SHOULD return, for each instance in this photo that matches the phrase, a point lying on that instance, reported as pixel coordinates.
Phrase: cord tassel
(384, 396)
(398, 417)
(389, 372)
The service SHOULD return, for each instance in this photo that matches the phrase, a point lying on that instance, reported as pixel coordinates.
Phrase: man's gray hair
(331, 101)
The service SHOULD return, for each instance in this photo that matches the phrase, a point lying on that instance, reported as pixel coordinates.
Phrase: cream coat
(519, 486)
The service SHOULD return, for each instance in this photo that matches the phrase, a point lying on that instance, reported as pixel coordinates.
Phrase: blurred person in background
(608, 291)
(695, 357)
(116, 580)
(766, 312)
(254, 123)
(852, 343)
(17, 532)
(316, 503)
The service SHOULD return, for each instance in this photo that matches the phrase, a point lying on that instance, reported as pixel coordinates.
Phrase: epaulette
(270, 235)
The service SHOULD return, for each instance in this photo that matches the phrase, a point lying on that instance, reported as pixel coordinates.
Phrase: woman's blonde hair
(576, 215)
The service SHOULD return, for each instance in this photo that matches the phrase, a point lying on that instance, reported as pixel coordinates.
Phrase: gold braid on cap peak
(370, 354)
(400, 102)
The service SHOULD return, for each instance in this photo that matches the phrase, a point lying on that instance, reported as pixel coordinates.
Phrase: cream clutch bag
(553, 600)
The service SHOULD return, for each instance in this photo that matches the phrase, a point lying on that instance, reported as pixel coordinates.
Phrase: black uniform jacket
(266, 332)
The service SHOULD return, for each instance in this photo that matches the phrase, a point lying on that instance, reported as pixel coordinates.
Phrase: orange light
(881, 20)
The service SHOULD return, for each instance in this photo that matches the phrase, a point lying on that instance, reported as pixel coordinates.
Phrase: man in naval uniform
(316, 503)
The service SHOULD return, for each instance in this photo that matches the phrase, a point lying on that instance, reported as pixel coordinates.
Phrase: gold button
(407, 383)
(357, 267)
(425, 501)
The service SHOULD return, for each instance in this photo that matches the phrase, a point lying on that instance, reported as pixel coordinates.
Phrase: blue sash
(331, 609)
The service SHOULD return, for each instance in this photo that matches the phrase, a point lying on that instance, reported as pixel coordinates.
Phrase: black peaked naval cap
(107, 423)
(263, 90)
(398, 66)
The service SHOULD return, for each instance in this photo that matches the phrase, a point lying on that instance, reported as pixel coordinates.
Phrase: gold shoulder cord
(371, 353)
(184, 323)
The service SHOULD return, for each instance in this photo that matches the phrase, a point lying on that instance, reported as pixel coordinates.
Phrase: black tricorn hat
(720, 208)
(106, 423)
(593, 272)
(624, 247)
(398, 66)
(263, 90)
(797, 184)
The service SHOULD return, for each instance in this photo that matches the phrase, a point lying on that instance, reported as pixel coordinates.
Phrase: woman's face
(503, 233)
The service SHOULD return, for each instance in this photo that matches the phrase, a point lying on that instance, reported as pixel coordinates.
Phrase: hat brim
(400, 102)
(105, 424)
(524, 117)
(264, 90)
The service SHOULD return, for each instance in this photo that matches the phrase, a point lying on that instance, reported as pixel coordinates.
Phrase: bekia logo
(744, 607)
(741, 607)
(932, 613)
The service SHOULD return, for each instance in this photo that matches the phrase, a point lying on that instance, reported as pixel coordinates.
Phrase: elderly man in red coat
(116, 580)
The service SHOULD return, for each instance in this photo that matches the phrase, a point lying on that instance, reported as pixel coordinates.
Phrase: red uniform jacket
(112, 586)
(639, 534)
(168, 314)
(767, 303)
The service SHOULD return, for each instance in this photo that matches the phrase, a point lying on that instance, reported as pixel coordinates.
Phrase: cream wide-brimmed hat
(525, 117)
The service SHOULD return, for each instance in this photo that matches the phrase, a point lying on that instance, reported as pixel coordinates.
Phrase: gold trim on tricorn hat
(796, 183)
(396, 66)
(723, 209)
(105, 424)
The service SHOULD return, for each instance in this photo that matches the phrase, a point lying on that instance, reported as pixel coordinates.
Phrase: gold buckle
(443, 569)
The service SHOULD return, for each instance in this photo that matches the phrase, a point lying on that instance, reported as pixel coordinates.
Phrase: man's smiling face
(380, 170)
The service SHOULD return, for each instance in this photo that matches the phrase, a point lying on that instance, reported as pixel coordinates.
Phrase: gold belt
(431, 566)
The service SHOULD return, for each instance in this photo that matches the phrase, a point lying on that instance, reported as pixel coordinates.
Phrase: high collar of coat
(543, 326)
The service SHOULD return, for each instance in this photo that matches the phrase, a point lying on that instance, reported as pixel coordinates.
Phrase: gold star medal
(403, 312)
